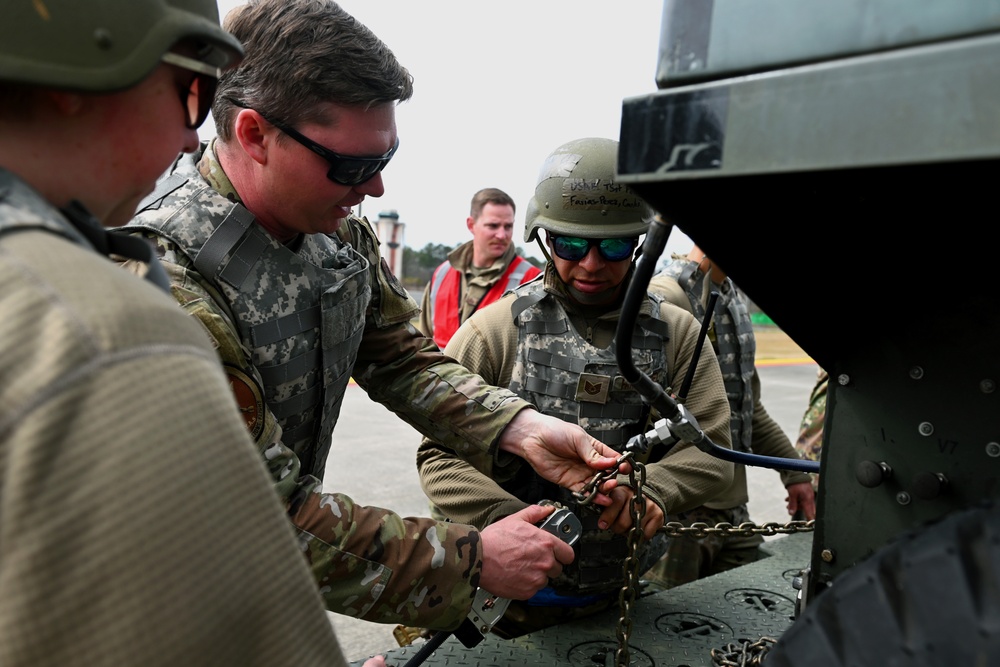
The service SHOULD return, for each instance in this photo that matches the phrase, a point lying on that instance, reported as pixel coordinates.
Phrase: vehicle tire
(931, 597)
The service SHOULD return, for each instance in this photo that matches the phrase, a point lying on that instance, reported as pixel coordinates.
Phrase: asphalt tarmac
(373, 461)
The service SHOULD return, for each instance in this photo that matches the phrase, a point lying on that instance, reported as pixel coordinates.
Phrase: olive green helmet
(577, 195)
(104, 45)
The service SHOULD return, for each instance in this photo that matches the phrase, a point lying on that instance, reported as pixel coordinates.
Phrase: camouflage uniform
(731, 334)
(560, 355)
(810, 440)
(265, 304)
(120, 543)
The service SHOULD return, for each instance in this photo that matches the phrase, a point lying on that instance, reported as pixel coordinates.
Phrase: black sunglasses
(344, 169)
(196, 96)
(574, 248)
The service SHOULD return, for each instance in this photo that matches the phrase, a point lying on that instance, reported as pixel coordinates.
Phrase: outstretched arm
(560, 452)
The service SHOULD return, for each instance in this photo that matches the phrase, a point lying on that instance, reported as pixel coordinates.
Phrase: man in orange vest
(477, 272)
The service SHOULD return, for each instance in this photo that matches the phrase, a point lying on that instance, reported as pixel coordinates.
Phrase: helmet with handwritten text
(577, 195)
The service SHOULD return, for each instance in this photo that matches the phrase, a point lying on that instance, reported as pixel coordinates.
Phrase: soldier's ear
(255, 135)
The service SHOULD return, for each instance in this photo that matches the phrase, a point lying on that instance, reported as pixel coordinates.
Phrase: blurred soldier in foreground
(551, 342)
(120, 541)
(257, 234)
(687, 282)
(478, 272)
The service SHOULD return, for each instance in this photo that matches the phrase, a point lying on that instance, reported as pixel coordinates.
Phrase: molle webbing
(569, 378)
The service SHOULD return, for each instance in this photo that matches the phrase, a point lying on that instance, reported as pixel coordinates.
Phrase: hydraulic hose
(679, 419)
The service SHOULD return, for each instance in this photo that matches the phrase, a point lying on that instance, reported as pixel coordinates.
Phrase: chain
(585, 496)
(630, 568)
(743, 654)
(700, 529)
(746, 653)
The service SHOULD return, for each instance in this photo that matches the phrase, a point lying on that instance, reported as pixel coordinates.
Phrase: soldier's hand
(375, 661)
(802, 497)
(562, 453)
(519, 557)
(618, 515)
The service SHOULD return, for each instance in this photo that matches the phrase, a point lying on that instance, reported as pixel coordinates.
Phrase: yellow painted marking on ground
(789, 361)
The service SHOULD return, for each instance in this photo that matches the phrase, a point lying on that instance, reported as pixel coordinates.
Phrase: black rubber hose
(651, 392)
(706, 322)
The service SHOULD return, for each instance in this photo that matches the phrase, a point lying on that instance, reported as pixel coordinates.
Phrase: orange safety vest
(446, 285)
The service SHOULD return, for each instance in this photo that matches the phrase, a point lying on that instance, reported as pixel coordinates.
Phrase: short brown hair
(490, 196)
(300, 54)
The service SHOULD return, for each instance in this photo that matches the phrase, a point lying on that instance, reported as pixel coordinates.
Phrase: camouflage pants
(688, 559)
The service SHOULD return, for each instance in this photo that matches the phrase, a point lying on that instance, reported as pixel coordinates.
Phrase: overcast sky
(498, 86)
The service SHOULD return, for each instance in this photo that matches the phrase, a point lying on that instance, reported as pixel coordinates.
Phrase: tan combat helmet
(108, 45)
(577, 195)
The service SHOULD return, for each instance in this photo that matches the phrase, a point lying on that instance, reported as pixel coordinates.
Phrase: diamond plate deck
(676, 628)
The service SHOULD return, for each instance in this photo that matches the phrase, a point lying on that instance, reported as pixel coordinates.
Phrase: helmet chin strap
(544, 246)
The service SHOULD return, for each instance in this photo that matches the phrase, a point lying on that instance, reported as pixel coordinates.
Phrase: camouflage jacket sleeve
(768, 439)
(465, 491)
(426, 326)
(810, 439)
(408, 374)
(369, 563)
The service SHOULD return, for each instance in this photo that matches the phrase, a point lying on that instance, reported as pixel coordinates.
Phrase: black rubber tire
(930, 598)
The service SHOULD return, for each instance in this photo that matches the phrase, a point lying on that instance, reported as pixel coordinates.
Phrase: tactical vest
(734, 344)
(300, 313)
(446, 288)
(564, 376)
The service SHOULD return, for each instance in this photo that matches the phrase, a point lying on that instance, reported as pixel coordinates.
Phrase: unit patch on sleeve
(249, 399)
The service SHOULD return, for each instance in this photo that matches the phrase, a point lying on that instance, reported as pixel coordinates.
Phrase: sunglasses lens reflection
(573, 249)
(615, 250)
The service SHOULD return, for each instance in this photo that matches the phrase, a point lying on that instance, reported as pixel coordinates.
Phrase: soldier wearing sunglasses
(121, 452)
(551, 342)
(257, 234)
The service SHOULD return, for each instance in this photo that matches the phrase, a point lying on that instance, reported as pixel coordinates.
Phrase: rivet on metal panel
(102, 36)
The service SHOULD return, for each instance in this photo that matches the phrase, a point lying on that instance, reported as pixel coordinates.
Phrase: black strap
(163, 188)
(111, 243)
(524, 302)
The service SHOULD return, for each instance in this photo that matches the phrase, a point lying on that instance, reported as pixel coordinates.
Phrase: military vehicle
(837, 158)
